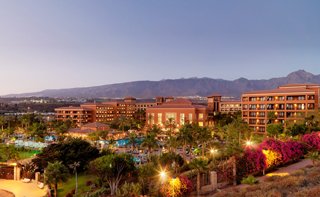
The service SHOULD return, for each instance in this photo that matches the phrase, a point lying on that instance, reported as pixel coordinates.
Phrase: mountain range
(176, 87)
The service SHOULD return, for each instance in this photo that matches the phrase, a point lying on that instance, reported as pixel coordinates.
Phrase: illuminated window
(159, 118)
(200, 116)
(182, 119)
(171, 116)
(190, 118)
(201, 124)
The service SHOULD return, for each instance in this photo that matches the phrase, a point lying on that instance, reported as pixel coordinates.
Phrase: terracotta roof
(279, 91)
(83, 131)
(95, 125)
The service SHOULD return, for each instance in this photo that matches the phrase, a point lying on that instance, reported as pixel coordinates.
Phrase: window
(201, 124)
(171, 116)
(182, 119)
(190, 118)
(159, 118)
(200, 116)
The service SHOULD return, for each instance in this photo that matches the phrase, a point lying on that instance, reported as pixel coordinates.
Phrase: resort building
(286, 104)
(84, 131)
(104, 112)
(79, 115)
(179, 111)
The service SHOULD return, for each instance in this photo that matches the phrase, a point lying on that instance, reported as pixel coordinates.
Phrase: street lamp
(163, 176)
(249, 143)
(213, 151)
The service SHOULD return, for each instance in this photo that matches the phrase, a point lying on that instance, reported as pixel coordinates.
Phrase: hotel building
(104, 112)
(288, 104)
(179, 110)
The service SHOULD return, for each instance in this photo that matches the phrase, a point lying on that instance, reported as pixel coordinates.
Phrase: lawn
(67, 187)
(28, 153)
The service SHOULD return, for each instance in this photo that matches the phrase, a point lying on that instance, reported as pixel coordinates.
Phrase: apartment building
(179, 110)
(286, 104)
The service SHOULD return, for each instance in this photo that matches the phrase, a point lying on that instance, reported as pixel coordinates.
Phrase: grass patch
(67, 187)
(28, 153)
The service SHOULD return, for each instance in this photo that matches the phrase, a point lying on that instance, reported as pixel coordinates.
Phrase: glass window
(182, 119)
(159, 118)
(190, 118)
(200, 116)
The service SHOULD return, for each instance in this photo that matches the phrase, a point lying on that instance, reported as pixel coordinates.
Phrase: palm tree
(74, 167)
(203, 136)
(2, 122)
(123, 122)
(185, 137)
(150, 142)
(55, 173)
(200, 165)
(170, 126)
(132, 140)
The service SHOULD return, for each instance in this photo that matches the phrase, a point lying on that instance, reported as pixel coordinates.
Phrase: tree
(113, 169)
(296, 129)
(170, 126)
(274, 130)
(146, 174)
(150, 142)
(271, 116)
(2, 122)
(8, 153)
(132, 140)
(38, 130)
(200, 165)
(69, 151)
(185, 137)
(203, 136)
(55, 173)
(312, 122)
(74, 167)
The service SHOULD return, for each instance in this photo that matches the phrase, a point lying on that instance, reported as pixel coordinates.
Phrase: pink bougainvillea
(312, 140)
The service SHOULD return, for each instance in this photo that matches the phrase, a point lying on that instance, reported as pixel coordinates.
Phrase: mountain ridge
(176, 87)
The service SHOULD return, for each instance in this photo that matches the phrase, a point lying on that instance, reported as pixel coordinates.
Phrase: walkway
(4, 193)
(20, 189)
(283, 171)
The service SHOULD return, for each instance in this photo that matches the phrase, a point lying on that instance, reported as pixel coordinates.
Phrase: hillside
(177, 87)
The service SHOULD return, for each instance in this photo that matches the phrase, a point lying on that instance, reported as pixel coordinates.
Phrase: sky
(78, 43)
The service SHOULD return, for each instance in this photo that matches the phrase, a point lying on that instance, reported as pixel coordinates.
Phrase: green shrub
(250, 180)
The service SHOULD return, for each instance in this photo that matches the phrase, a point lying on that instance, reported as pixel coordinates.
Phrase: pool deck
(21, 189)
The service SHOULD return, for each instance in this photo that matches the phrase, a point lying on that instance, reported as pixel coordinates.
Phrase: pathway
(283, 171)
(20, 189)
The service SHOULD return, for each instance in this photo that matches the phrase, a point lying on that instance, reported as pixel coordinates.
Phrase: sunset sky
(74, 43)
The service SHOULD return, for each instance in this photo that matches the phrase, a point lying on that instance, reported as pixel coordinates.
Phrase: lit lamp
(163, 176)
(249, 143)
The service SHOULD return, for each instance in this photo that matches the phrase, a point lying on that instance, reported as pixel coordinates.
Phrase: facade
(232, 106)
(104, 112)
(79, 115)
(286, 104)
(180, 111)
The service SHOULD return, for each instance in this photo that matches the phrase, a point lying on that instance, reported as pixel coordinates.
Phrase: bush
(312, 141)
(250, 180)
